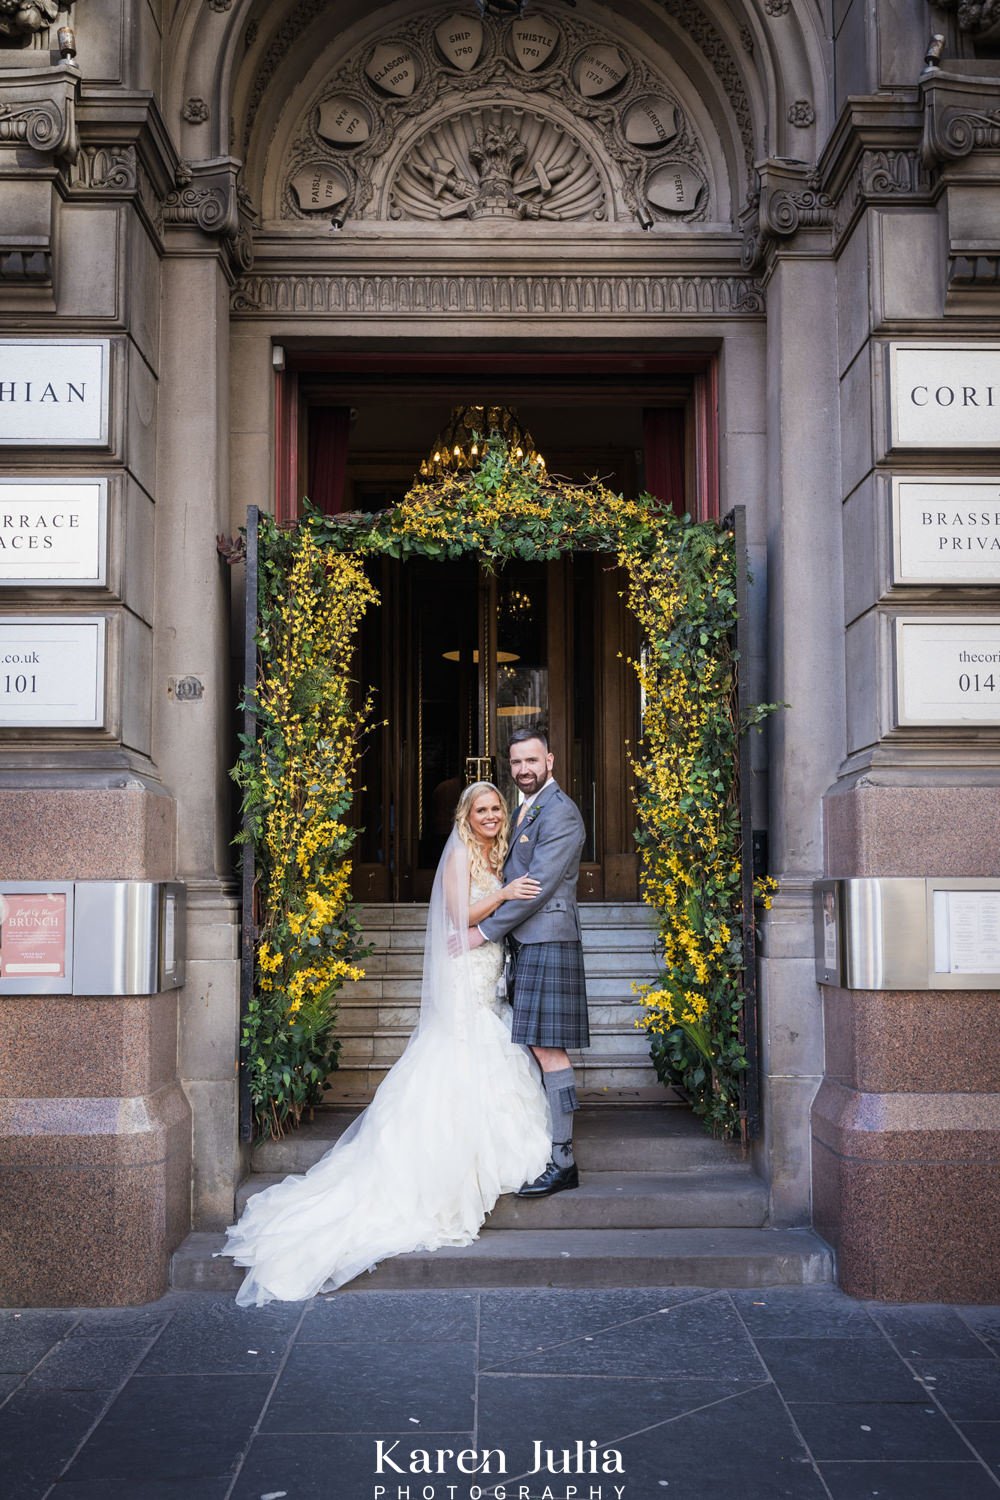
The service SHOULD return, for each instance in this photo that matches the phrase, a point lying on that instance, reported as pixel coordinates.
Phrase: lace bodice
(486, 962)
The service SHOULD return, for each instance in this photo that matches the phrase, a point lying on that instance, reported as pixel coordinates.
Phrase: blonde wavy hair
(478, 866)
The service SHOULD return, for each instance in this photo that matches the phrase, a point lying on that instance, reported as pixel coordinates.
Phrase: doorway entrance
(461, 657)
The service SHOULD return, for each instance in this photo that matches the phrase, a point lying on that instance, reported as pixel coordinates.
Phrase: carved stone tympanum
(455, 116)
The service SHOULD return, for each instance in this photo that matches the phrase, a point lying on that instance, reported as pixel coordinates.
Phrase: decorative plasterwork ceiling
(447, 116)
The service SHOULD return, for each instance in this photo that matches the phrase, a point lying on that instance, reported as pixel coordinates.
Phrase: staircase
(378, 1012)
(660, 1203)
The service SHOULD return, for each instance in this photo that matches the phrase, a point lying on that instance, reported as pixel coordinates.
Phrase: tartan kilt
(550, 996)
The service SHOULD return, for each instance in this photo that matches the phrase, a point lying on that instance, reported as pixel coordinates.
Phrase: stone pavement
(785, 1392)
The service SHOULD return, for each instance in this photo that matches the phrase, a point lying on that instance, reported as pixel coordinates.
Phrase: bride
(458, 1120)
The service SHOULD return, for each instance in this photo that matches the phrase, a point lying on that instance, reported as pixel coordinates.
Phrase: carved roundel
(453, 116)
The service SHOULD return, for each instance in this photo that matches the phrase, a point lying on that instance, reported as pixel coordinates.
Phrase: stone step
(364, 1017)
(605, 1083)
(711, 1258)
(353, 1086)
(617, 1046)
(714, 1198)
(656, 1138)
(378, 916)
(609, 977)
(410, 940)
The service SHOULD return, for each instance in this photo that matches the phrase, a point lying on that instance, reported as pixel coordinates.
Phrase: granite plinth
(119, 1045)
(892, 1041)
(94, 1196)
(54, 833)
(873, 830)
(906, 1187)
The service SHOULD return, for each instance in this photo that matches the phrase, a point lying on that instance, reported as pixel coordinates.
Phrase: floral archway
(299, 771)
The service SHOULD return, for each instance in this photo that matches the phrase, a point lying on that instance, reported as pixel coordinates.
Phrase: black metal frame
(248, 873)
(736, 520)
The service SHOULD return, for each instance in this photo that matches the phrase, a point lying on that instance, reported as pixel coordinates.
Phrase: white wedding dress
(458, 1120)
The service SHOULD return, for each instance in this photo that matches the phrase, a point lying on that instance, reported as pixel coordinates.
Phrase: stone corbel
(961, 142)
(961, 115)
(38, 144)
(38, 110)
(209, 198)
(787, 197)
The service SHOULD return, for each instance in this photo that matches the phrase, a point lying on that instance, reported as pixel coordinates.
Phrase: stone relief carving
(777, 7)
(462, 296)
(106, 169)
(210, 197)
(714, 47)
(23, 18)
(880, 176)
(786, 199)
(38, 110)
(539, 119)
(497, 163)
(801, 113)
(974, 16)
(961, 115)
(195, 111)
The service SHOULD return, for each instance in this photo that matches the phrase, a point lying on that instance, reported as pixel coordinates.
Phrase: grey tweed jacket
(548, 846)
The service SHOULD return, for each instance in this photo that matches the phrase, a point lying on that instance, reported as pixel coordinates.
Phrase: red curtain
(328, 426)
(663, 440)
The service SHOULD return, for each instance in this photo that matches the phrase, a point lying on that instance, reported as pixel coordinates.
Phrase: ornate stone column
(207, 242)
(787, 236)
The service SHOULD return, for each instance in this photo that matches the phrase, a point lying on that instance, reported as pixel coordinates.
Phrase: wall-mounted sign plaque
(52, 671)
(948, 670)
(944, 395)
(33, 934)
(54, 392)
(53, 531)
(967, 932)
(946, 530)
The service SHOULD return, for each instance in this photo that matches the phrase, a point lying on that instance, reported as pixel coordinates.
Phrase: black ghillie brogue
(553, 1180)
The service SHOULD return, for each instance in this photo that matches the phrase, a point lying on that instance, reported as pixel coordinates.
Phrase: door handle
(480, 768)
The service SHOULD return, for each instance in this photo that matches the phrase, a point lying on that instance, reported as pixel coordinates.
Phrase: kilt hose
(550, 995)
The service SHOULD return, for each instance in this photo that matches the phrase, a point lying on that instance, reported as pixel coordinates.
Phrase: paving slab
(780, 1393)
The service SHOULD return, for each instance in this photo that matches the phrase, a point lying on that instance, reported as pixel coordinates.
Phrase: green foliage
(298, 781)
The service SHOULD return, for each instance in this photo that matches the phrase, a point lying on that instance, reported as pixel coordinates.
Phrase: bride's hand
(521, 889)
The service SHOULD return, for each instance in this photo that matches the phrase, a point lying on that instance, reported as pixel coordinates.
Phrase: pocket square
(523, 839)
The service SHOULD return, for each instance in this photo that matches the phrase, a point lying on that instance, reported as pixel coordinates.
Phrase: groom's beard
(528, 783)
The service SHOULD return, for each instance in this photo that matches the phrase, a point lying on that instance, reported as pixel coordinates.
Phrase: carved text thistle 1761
(453, 116)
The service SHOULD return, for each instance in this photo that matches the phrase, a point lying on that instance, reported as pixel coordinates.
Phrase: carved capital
(38, 110)
(787, 198)
(210, 198)
(961, 115)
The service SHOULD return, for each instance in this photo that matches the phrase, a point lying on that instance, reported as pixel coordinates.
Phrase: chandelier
(460, 446)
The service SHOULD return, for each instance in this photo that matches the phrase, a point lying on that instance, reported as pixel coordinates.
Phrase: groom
(550, 997)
